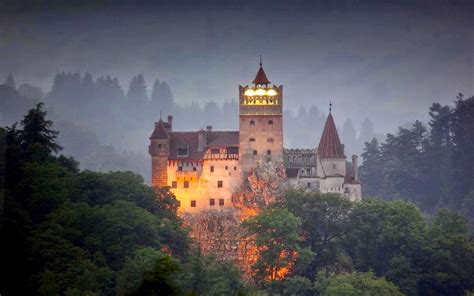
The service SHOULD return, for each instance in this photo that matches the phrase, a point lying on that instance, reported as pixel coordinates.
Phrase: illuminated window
(212, 169)
(252, 122)
(174, 184)
(212, 202)
(193, 203)
(221, 202)
(186, 184)
(270, 140)
(269, 152)
(251, 140)
(270, 122)
(220, 184)
(255, 152)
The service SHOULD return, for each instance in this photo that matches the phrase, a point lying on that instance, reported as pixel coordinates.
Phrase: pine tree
(10, 82)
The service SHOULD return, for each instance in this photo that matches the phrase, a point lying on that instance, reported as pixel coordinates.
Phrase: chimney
(342, 146)
(201, 140)
(355, 169)
(170, 122)
(209, 128)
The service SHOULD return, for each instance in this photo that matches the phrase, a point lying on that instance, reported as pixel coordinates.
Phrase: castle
(203, 168)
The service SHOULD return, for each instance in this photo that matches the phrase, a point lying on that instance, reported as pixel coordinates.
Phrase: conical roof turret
(330, 144)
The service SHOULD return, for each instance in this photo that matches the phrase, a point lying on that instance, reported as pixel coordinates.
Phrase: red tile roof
(330, 145)
(191, 140)
(160, 131)
(223, 138)
(261, 77)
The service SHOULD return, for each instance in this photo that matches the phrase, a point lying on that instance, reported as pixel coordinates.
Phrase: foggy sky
(383, 60)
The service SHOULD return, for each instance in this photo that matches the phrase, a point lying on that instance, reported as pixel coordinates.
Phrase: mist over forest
(107, 127)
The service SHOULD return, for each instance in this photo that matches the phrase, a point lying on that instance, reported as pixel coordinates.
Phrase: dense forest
(430, 165)
(106, 127)
(68, 231)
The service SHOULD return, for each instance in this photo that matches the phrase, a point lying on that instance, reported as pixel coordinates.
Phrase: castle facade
(204, 168)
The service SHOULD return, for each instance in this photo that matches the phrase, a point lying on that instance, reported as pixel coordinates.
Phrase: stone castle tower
(203, 168)
(260, 122)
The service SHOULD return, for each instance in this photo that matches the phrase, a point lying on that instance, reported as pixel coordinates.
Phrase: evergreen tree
(162, 98)
(367, 132)
(10, 82)
(137, 91)
(349, 137)
(371, 169)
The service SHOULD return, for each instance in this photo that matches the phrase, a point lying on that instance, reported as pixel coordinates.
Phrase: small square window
(220, 184)
(180, 169)
(193, 203)
(269, 152)
(252, 122)
(255, 152)
(212, 202)
(308, 185)
(174, 184)
(186, 184)
(226, 168)
(194, 169)
(212, 169)
(221, 202)
(159, 145)
(235, 168)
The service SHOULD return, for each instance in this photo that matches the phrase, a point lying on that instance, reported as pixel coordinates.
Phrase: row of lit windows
(252, 122)
(174, 184)
(269, 140)
(212, 202)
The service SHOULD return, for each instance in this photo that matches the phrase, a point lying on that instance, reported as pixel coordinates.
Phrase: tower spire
(330, 106)
(260, 60)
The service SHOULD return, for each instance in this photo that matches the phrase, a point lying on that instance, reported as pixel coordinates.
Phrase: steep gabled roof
(330, 145)
(160, 131)
(261, 77)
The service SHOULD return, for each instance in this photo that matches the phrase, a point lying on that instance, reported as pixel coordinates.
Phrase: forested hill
(429, 164)
(71, 232)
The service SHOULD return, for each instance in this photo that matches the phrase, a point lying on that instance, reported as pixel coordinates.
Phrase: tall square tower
(260, 122)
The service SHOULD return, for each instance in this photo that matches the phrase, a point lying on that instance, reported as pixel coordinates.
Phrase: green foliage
(298, 285)
(277, 238)
(355, 283)
(203, 275)
(69, 232)
(432, 168)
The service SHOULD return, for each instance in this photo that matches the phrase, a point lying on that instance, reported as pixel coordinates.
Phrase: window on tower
(270, 140)
(270, 122)
(252, 122)
(186, 184)
(269, 152)
(255, 152)
(251, 140)
(221, 202)
(193, 203)
(220, 184)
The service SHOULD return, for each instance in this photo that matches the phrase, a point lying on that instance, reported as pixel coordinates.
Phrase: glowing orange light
(249, 92)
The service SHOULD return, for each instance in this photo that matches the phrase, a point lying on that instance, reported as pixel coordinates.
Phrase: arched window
(252, 122)
(270, 122)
